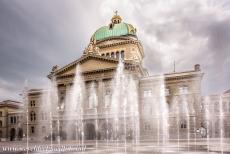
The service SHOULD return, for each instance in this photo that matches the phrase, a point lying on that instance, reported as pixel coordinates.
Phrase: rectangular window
(32, 129)
(11, 120)
(147, 126)
(32, 103)
(167, 92)
(183, 89)
(147, 93)
(15, 120)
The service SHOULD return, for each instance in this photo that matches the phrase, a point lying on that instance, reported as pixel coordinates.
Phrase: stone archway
(12, 134)
(90, 132)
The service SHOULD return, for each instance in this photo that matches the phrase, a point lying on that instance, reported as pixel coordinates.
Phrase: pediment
(88, 64)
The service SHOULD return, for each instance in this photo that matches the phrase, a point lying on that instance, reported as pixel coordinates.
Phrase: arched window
(122, 54)
(112, 55)
(0, 113)
(107, 55)
(117, 55)
(0, 123)
(103, 54)
(183, 124)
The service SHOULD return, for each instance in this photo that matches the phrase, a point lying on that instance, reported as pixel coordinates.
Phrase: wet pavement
(144, 147)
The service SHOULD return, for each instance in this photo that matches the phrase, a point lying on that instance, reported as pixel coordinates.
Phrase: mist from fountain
(50, 103)
(221, 119)
(207, 119)
(74, 107)
(26, 110)
(177, 111)
(164, 111)
(184, 112)
(133, 108)
(124, 106)
(93, 104)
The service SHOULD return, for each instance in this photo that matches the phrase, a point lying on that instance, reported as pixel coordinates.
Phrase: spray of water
(124, 107)
(93, 104)
(74, 107)
(221, 126)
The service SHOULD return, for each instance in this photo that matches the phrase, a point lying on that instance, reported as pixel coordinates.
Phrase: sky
(36, 35)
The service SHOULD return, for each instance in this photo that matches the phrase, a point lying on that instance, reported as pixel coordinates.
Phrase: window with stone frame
(147, 93)
(167, 91)
(32, 129)
(147, 126)
(183, 124)
(112, 55)
(32, 116)
(32, 103)
(122, 54)
(117, 55)
(183, 89)
(216, 107)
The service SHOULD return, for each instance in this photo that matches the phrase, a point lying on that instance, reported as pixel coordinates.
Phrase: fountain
(164, 113)
(50, 104)
(221, 126)
(93, 104)
(117, 98)
(124, 106)
(74, 106)
(25, 97)
(207, 118)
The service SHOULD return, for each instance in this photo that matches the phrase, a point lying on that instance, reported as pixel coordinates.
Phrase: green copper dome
(118, 29)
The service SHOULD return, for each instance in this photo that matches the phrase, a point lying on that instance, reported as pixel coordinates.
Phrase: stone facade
(98, 66)
(11, 120)
(216, 115)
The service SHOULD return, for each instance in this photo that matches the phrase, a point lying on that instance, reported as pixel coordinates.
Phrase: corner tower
(118, 39)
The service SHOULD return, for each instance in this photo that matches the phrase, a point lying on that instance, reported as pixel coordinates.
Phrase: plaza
(107, 102)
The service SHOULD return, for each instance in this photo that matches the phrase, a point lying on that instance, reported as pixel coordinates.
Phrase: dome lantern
(116, 19)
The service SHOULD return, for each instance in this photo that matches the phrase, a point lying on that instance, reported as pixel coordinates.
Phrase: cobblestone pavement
(100, 147)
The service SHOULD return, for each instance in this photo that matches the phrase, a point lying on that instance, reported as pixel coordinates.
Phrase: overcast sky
(36, 34)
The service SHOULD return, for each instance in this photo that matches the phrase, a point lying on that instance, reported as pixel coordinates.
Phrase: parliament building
(98, 64)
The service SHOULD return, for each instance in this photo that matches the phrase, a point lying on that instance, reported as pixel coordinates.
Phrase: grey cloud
(35, 35)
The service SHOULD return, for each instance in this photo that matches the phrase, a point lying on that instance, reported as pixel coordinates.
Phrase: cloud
(187, 31)
(7, 90)
(36, 35)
